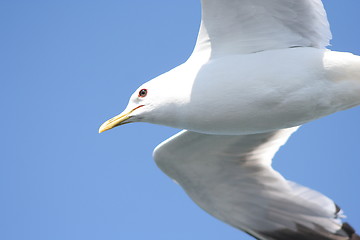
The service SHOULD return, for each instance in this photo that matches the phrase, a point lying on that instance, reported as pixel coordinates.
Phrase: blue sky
(67, 66)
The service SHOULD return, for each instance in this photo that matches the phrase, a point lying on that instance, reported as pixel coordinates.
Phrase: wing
(246, 26)
(231, 178)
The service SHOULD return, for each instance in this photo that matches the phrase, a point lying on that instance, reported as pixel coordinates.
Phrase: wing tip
(346, 232)
(350, 231)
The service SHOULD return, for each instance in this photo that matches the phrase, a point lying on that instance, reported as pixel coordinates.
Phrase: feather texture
(247, 26)
(231, 178)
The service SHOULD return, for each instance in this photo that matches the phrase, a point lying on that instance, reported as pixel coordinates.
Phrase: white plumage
(231, 178)
(259, 69)
(237, 27)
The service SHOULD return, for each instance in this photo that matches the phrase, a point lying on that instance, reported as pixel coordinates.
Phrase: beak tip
(116, 121)
(103, 127)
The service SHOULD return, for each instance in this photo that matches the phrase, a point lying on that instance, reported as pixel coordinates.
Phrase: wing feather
(247, 26)
(231, 178)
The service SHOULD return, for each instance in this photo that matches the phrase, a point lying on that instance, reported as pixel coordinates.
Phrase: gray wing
(246, 26)
(231, 178)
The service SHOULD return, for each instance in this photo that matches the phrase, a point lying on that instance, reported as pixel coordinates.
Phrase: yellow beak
(117, 120)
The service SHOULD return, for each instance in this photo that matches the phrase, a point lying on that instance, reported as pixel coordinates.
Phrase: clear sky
(67, 66)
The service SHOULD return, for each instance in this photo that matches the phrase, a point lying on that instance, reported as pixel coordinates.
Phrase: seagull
(259, 70)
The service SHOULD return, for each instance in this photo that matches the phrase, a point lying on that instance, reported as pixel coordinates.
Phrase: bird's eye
(143, 93)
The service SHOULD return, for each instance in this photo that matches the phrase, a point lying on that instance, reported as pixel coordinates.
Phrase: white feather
(231, 178)
(247, 26)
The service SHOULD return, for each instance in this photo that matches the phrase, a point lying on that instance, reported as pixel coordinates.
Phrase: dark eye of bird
(143, 93)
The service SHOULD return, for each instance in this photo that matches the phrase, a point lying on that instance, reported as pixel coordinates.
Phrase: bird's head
(156, 102)
(140, 106)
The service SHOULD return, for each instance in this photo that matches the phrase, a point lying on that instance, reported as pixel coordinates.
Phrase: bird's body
(259, 69)
(291, 87)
